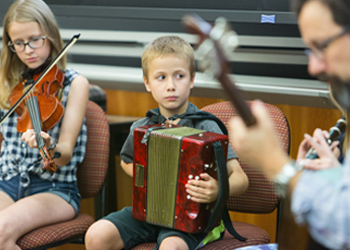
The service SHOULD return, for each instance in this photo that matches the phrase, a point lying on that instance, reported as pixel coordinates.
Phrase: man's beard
(340, 90)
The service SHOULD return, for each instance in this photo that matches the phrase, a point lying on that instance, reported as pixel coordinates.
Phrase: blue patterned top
(321, 199)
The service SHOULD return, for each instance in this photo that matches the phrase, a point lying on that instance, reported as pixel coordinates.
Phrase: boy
(168, 70)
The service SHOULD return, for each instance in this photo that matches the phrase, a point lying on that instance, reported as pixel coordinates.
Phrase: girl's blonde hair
(11, 67)
(168, 45)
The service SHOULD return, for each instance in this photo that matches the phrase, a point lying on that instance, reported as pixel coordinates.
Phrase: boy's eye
(180, 76)
(161, 77)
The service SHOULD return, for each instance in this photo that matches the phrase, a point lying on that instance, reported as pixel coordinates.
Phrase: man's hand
(328, 155)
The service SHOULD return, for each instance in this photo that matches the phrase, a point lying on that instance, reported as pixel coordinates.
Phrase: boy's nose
(170, 84)
(316, 66)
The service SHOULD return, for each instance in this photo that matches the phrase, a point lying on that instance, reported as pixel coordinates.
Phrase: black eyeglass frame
(320, 48)
(12, 44)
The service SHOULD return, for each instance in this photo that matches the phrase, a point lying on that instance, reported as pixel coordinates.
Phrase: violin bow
(70, 43)
(216, 43)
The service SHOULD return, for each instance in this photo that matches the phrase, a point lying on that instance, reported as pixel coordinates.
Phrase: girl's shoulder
(70, 74)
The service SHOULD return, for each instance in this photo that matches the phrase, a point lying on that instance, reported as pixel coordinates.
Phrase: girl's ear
(147, 86)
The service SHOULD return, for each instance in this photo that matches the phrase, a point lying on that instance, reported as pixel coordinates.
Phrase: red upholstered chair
(260, 197)
(91, 177)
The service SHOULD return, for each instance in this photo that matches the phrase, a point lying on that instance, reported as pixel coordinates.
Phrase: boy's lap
(134, 232)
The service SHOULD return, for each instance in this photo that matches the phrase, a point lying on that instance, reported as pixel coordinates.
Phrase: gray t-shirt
(205, 124)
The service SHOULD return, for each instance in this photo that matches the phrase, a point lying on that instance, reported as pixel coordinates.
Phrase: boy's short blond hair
(168, 45)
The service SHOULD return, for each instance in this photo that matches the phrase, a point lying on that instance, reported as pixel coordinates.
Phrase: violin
(35, 101)
(215, 45)
(50, 107)
(41, 110)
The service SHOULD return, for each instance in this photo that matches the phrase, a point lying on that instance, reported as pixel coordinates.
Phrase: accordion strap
(157, 118)
(201, 115)
(148, 133)
(220, 209)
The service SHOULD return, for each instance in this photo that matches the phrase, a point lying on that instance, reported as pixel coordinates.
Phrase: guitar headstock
(216, 44)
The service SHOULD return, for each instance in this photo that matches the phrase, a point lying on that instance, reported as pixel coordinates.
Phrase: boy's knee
(92, 237)
(173, 243)
(103, 235)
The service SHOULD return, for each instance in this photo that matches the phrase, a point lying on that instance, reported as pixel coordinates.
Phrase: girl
(30, 197)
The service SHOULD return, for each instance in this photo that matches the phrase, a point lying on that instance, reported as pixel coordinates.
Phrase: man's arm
(319, 198)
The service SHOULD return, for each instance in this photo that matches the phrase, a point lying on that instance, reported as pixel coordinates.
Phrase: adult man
(320, 198)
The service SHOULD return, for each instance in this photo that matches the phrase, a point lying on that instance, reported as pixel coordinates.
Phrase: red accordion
(165, 158)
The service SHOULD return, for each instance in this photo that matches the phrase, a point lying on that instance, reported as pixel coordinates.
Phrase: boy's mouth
(171, 98)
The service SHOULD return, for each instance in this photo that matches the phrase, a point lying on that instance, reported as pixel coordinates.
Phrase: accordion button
(190, 177)
(188, 197)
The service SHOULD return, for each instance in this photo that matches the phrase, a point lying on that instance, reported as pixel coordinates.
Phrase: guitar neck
(198, 26)
(236, 97)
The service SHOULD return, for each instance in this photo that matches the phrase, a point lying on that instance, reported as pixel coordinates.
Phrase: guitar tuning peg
(206, 54)
(225, 36)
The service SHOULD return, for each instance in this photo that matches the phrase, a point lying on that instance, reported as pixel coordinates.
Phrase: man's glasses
(34, 43)
(319, 49)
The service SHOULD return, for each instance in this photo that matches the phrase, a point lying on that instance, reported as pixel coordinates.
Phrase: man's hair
(340, 9)
(168, 45)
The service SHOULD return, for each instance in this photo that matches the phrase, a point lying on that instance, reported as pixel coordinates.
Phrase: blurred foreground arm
(320, 198)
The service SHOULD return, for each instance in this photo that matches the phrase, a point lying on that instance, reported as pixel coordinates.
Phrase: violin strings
(33, 109)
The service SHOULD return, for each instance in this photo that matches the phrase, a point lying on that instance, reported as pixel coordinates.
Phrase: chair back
(260, 196)
(93, 170)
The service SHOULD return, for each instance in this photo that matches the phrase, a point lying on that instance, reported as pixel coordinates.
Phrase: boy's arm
(127, 167)
(238, 180)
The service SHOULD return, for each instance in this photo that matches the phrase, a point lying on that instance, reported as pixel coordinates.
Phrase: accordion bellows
(164, 160)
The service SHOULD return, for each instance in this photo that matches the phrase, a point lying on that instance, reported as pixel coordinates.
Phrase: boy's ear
(192, 80)
(148, 88)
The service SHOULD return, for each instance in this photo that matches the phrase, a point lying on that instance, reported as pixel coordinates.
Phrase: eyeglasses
(319, 49)
(34, 43)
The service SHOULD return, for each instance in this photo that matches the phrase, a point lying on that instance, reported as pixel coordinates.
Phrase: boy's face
(170, 82)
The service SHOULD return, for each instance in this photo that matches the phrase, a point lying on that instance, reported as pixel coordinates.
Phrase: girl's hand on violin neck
(30, 139)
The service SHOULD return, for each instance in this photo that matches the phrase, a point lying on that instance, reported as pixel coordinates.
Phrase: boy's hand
(205, 190)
